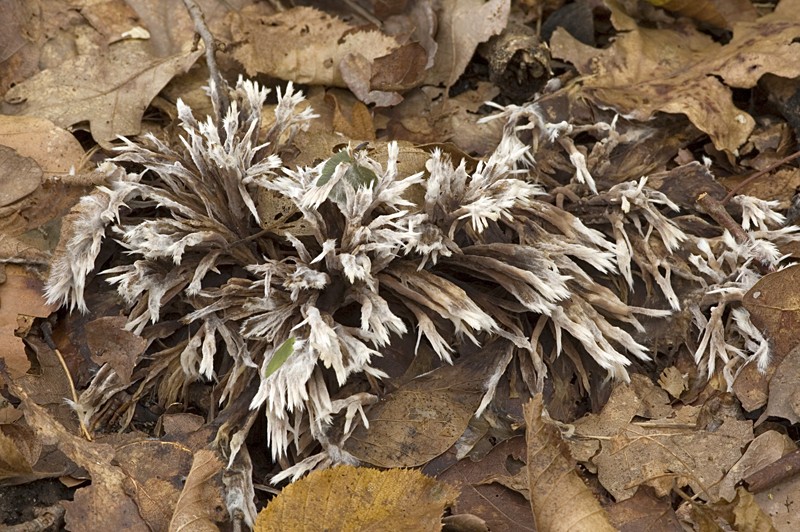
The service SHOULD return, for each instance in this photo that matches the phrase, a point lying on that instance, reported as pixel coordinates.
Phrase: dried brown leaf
(303, 44)
(658, 452)
(19, 451)
(156, 471)
(462, 27)
(784, 393)
(774, 307)
(20, 294)
(720, 13)
(498, 506)
(764, 450)
(19, 27)
(559, 498)
(422, 419)
(111, 90)
(349, 498)
(20, 176)
(644, 511)
(54, 149)
(104, 505)
(633, 77)
(201, 504)
(110, 343)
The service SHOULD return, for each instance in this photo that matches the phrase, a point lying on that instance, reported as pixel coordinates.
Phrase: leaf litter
(395, 302)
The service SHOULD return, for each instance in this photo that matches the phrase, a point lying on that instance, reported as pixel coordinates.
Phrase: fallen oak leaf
(674, 70)
(111, 91)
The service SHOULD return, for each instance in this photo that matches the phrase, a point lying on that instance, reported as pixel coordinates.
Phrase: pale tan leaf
(462, 27)
(112, 91)
(559, 498)
(20, 176)
(21, 293)
(349, 498)
(54, 149)
(303, 44)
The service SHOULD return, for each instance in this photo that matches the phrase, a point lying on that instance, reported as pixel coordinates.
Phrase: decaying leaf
(20, 294)
(20, 176)
(110, 343)
(674, 70)
(560, 500)
(423, 418)
(19, 451)
(349, 498)
(54, 149)
(741, 513)
(105, 503)
(720, 13)
(784, 394)
(765, 449)
(774, 305)
(306, 45)
(111, 91)
(462, 27)
(500, 507)
(644, 511)
(660, 452)
(201, 504)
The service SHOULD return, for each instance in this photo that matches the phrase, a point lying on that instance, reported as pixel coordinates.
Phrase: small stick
(716, 210)
(219, 89)
(735, 190)
(779, 471)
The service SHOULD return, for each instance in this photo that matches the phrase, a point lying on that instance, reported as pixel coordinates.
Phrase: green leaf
(280, 356)
(357, 175)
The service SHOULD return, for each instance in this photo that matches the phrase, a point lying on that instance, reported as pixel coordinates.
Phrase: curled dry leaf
(349, 498)
(633, 78)
(559, 498)
(112, 92)
(462, 27)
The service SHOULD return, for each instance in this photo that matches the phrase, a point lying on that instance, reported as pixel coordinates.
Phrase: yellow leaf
(348, 498)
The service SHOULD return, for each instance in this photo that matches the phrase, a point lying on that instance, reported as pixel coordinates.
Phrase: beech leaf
(350, 498)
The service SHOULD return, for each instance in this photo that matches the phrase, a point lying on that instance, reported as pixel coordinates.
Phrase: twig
(219, 87)
(735, 190)
(779, 471)
(716, 209)
(47, 334)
